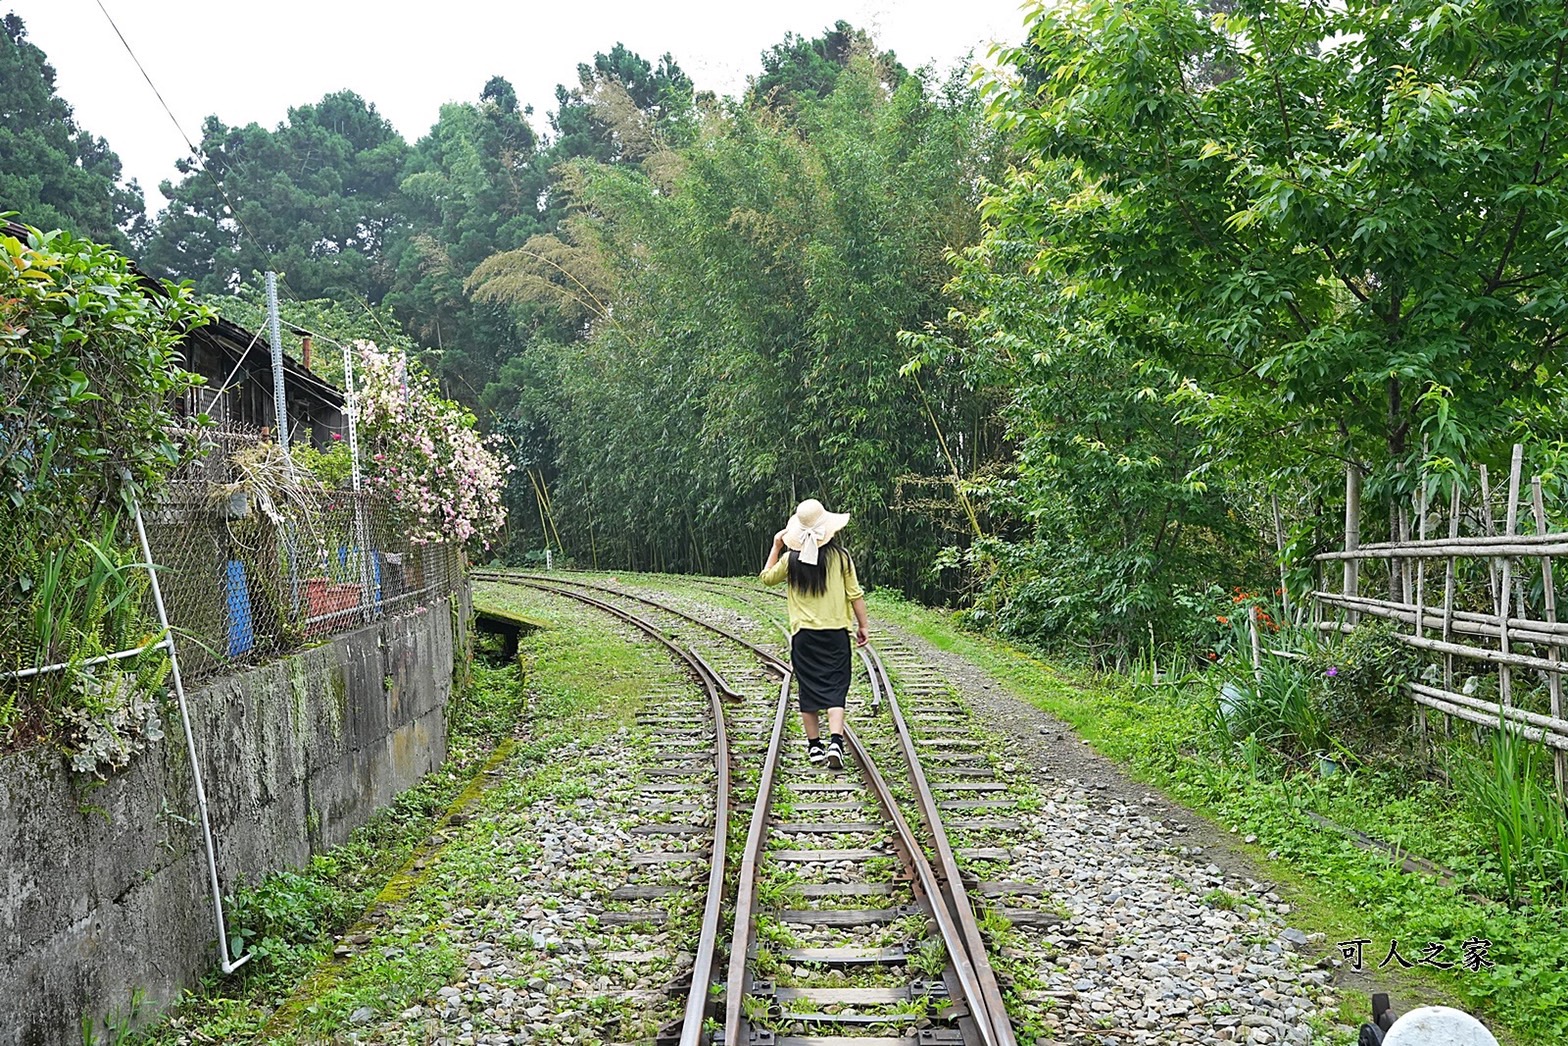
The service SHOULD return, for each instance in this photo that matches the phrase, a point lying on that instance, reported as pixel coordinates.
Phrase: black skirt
(821, 660)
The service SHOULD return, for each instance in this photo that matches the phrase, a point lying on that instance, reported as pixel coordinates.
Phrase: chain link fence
(256, 556)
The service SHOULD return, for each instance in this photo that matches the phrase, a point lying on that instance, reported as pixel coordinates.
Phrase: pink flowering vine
(425, 452)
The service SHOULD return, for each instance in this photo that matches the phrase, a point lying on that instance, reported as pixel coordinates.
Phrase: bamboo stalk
(1352, 582)
(1257, 644)
(1489, 525)
(1468, 622)
(1448, 587)
(1549, 599)
(1279, 546)
(1553, 724)
(1505, 676)
(1420, 621)
(1472, 548)
(1474, 653)
(1475, 546)
(1529, 733)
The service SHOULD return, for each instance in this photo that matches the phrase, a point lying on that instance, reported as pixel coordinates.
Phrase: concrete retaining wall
(103, 890)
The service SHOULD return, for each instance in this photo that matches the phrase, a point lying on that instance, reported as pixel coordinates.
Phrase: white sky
(251, 62)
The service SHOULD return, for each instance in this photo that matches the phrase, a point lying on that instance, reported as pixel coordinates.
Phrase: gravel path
(1170, 935)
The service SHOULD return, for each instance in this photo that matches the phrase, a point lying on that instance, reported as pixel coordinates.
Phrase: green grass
(572, 683)
(1345, 892)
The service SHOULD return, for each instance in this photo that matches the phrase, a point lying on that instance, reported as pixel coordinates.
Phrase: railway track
(837, 910)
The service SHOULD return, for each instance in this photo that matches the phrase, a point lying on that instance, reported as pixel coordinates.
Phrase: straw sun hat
(810, 527)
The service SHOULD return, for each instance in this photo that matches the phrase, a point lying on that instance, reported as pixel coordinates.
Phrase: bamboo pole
(1257, 643)
(1448, 584)
(1399, 584)
(1549, 598)
(1505, 676)
(1352, 582)
(1279, 547)
(1489, 525)
(1496, 547)
(1467, 622)
(1448, 598)
(1474, 653)
(1484, 713)
(1552, 724)
(1420, 621)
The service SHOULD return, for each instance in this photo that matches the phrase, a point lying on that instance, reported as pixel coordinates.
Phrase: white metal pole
(279, 392)
(229, 964)
(281, 410)
(361, 532)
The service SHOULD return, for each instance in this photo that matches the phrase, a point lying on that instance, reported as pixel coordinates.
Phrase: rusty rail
(953, 890)
(982, 1014)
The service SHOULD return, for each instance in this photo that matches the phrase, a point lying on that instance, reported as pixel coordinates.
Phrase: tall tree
(316, 197)
(470, 188)
(798, 70)
(1360, 223)
(623, 108)
(51, 171)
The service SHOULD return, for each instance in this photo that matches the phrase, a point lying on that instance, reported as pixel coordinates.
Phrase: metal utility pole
(279, 393)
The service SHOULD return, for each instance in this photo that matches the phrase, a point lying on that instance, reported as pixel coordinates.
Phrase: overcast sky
(251, 62)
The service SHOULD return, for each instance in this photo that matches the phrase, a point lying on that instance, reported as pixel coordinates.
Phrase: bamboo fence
(1492, 618)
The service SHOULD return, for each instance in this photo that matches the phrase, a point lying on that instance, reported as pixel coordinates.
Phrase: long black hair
(812, 579)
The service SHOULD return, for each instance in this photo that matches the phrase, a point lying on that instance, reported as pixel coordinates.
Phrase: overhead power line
(196, 153)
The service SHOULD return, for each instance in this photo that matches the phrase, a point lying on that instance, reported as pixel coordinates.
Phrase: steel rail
(926, 882)
(957, 897)
(707, 941)
(979, 994)
(737, 981)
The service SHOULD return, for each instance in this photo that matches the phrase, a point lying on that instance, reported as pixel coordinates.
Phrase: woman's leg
(835, 722)
(809, 721)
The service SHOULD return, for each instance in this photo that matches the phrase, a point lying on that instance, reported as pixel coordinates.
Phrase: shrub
(90, 370)
(1360, 680)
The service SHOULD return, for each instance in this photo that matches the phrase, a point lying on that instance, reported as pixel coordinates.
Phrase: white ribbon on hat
(808, 544)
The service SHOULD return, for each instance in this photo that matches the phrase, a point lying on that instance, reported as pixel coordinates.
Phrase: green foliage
(798, 71)
(332, 467)
(91, 367)
(1277, 709)
(314, 198)
(1362, 679)
(282, 916)
(1238, 250)
(1345, 216)
(53, 172)
(1509, 792)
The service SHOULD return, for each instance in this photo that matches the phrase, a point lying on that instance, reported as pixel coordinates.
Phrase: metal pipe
(62, 666)
(228, 963)
(361, 531)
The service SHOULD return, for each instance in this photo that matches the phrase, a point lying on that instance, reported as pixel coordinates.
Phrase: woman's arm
(863, 623)
(778, 546)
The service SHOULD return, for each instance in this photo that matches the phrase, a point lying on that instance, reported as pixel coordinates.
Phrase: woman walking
(825, 602)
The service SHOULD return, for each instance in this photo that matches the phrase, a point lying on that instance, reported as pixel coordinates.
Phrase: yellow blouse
(832, 609)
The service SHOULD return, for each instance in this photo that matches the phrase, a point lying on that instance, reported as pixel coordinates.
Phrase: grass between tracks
(387, 892)
(1342, 891)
